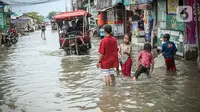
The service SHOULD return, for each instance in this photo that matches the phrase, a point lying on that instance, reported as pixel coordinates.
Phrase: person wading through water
(43, 32)
(108, 59)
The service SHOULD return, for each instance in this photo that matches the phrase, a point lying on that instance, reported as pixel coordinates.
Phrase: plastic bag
(159, 61)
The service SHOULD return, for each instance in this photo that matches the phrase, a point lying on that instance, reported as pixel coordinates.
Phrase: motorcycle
(10, 39)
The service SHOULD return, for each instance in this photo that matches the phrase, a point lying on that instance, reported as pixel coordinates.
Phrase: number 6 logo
(184, 14)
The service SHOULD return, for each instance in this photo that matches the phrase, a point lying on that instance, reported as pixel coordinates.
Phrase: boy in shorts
(108, 59)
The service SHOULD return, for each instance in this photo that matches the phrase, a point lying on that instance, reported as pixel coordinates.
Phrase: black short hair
(108, 28)
(147, 46)
(129, 37)
(167, 36)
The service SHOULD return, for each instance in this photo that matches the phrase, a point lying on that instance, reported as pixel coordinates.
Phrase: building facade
(164, 14)
(5, 17)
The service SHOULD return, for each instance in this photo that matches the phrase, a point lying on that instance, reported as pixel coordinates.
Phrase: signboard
(172, 6)
(173, 24)
(137, 28)
(118, 29)
(128, 2)
(191, 26)
(143, 1)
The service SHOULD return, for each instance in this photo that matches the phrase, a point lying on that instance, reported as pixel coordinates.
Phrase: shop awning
(9, 13)
(23, 19)
(67, 15)
(103, 5)
(139, 6)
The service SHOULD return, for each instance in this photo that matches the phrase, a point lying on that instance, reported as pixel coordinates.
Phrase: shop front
(141, 22)
(169, 24)
(183, 34)
(111, 12)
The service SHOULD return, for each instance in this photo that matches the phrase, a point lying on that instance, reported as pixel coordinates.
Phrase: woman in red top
(108, 59)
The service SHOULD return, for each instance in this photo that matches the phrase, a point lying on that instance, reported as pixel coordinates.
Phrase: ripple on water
(38, 77)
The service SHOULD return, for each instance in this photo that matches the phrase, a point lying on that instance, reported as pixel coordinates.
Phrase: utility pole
(89, 12)
(197, 31)
(89, 6)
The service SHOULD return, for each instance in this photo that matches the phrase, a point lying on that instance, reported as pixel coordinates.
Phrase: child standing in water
(43, 32)
(102, 34)
(144, 61)
(108, 59)
(125, 56)
(169, 50)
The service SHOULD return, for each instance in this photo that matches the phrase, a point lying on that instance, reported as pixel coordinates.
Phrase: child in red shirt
(108, 59)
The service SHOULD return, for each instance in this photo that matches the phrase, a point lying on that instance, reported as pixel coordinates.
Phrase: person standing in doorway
(108, 59)
(43, 32)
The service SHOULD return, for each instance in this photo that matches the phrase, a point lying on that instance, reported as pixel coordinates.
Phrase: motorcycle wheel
(8, 43)
(90, 45)
(14, 41)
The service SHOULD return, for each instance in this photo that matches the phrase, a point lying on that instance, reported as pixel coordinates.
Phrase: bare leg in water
(81, 38)
(43, 35)
(110, 79)
(107, 80)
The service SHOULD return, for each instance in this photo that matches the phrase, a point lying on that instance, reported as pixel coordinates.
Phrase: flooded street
(37, 76)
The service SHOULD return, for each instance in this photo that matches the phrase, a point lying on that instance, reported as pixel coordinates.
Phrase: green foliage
(36, 15)
(51, 15)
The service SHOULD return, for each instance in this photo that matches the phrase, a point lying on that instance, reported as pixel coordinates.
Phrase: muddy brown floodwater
(36, 76)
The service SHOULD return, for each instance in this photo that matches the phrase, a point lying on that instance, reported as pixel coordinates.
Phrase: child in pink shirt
(144, 61)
